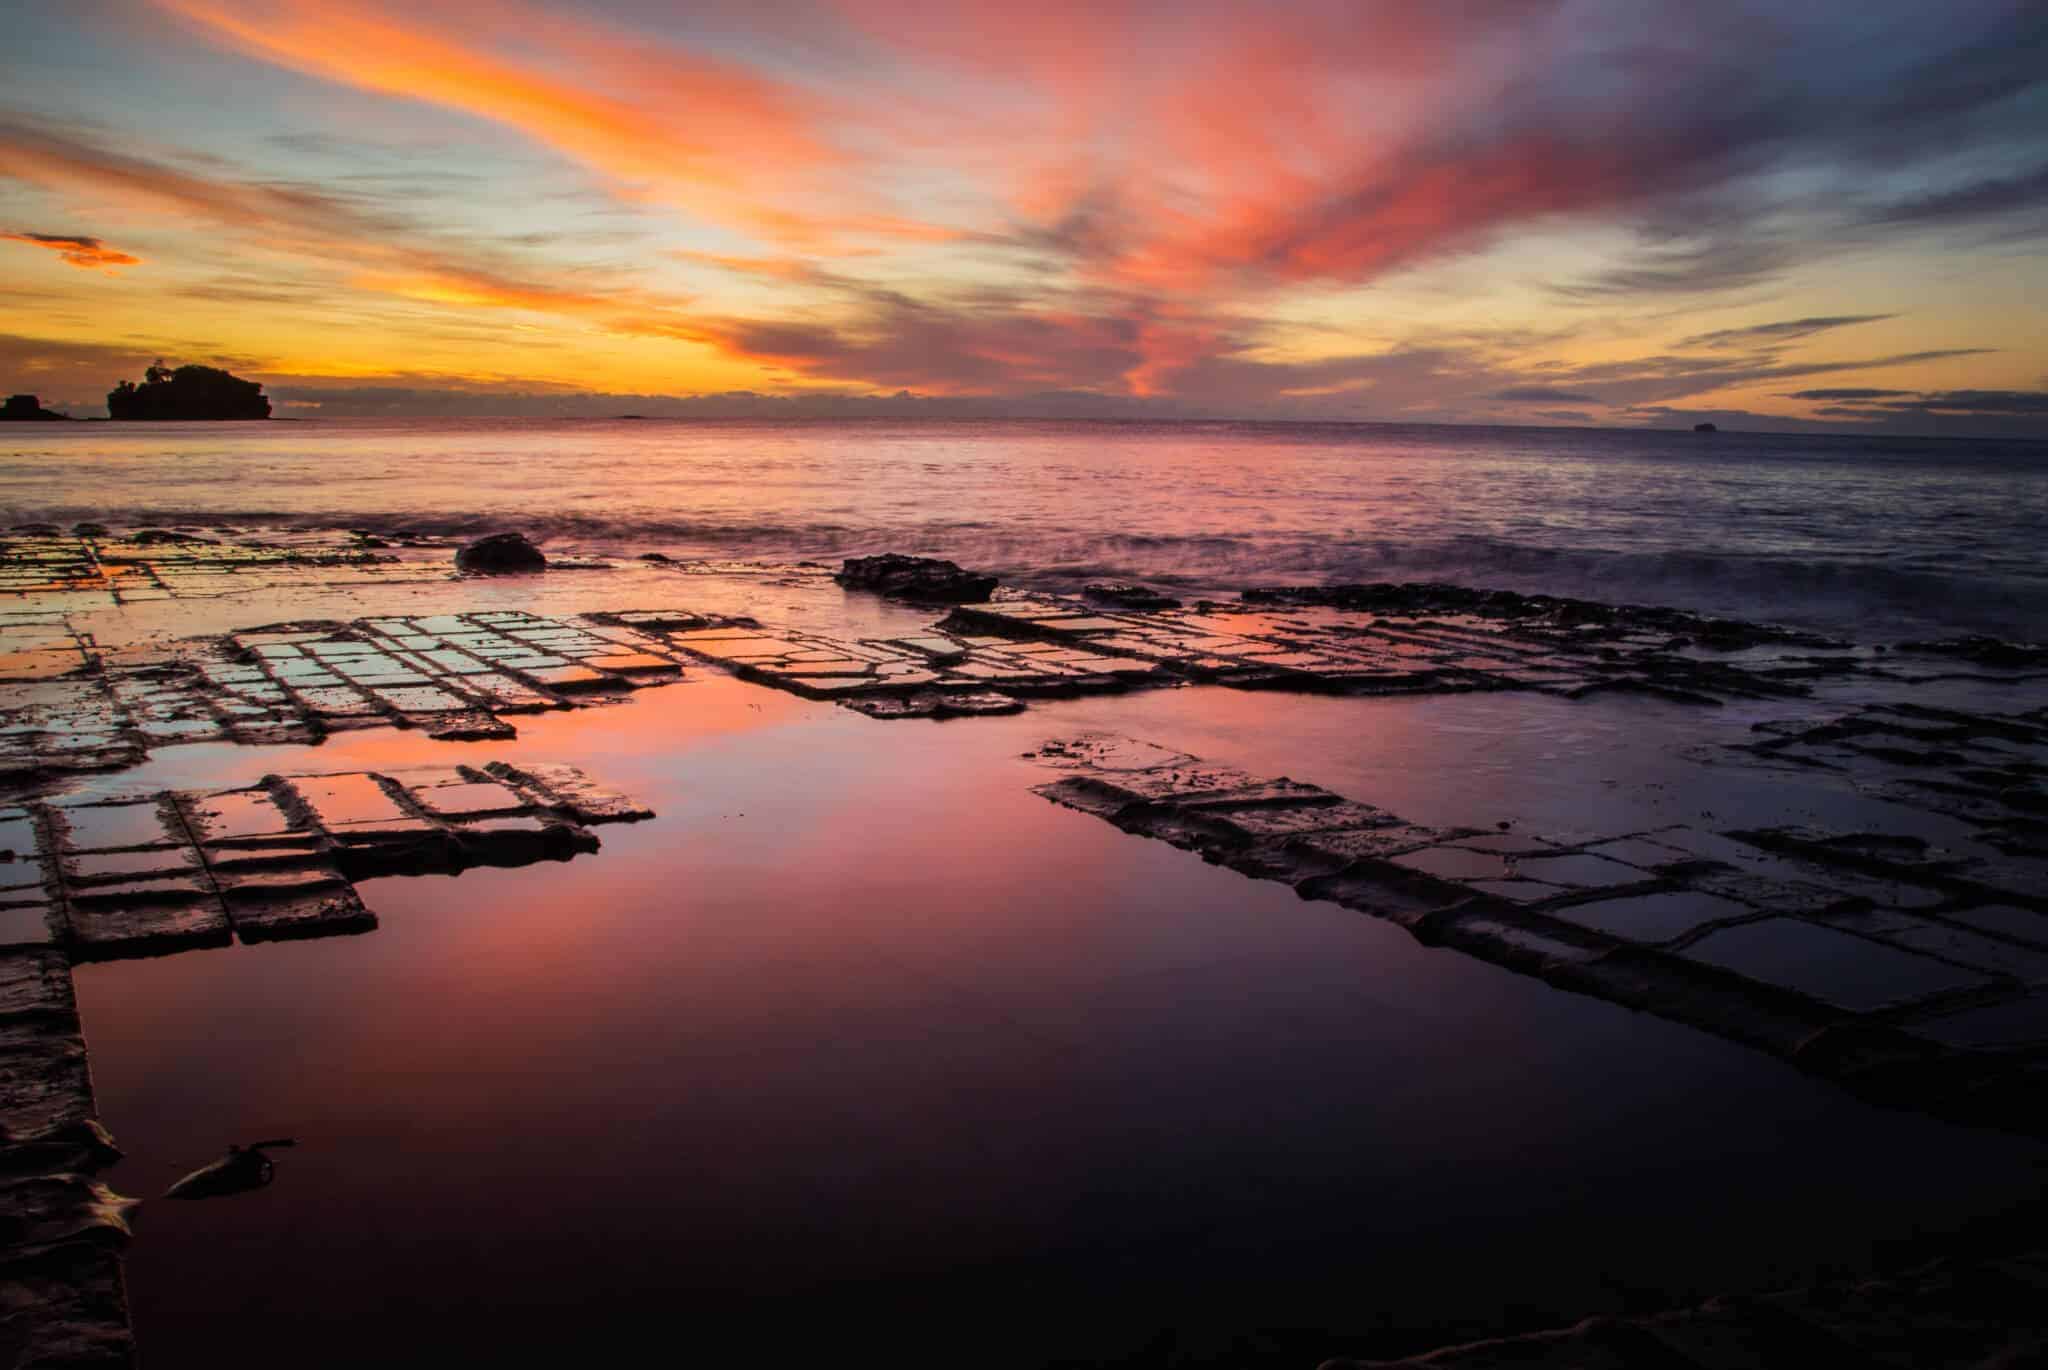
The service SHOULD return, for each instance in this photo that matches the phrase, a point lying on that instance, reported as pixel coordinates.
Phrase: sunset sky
(1547, 211)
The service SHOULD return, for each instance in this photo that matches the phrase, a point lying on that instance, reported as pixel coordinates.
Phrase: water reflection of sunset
(859, 1016)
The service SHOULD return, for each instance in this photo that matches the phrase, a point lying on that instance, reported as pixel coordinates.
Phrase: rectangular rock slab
(470, 799)
(28, 924)
(274, 915)
(568, 790)
(634, 663)
(36, 984)
(110, 868)
(118, 932)
(69, 1309)
(1834, 967)
(241, 817)
(566, 679)
(1657, 917)
(112, 826)
(1826, 999)
(333, 800)
(44, 1080)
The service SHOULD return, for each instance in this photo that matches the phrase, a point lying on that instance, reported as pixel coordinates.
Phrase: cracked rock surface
(1915, 977)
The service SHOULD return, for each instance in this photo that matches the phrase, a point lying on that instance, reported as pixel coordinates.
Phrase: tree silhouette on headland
(189, 392)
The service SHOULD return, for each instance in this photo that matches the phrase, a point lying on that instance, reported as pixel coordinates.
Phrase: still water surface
(861, 1050)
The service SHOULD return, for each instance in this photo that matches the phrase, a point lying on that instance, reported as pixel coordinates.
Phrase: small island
(29, 408)
(188, 392)
(1705, 428)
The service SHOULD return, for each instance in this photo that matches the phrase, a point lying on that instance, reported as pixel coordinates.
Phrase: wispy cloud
(1544, 394)
(1971, 402)
(1987, 200)
(1785, 331)
(88, 253)
(657, 119)
(380, 248)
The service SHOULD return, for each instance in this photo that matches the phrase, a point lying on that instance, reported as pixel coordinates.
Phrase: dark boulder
(1125, 595)
(500, 554)
(89, 530)
(922, 580)
(1984, 651)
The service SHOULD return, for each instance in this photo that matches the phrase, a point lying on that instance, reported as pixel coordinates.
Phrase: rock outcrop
(188, 393)
(1984, 651)
(921, 580)
(1124, 595)
(501, 554)
(1547, 611)
(29, 408)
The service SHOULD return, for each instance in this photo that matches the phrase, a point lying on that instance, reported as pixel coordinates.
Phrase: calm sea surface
(1880, 538)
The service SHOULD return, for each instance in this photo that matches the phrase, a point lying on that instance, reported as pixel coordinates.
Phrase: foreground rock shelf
(1989, 770)
(1914, 977)
(168, 871)
(1359, 640)
(177, 870)
(69, 706)
(1907, 969)
(70, 702)
(52, 571)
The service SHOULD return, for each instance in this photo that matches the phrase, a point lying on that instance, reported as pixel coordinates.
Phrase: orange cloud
(1115, 195)
(89, 253)
(1246, 156)
(381, 252)
(686, 132)
(709, 136)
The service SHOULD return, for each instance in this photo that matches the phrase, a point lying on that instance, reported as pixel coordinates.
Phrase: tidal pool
(861, 1049)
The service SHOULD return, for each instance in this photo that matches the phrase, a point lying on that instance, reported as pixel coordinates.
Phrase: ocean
(1880, 539)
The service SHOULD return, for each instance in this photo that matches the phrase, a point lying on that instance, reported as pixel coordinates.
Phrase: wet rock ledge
(62, 1298)
(155, 874)
(1914, 977)
(920, 580)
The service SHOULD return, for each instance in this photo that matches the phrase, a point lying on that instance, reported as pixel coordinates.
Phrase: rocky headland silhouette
(188, 392)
